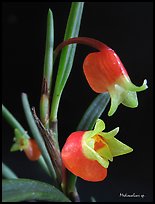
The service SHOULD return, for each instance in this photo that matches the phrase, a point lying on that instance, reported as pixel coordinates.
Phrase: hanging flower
(105, 72)
(87, 153)
(29, 146)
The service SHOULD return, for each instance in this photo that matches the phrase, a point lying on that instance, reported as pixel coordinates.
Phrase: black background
(126, 27)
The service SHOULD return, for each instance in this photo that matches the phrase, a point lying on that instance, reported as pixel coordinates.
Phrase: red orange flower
(87, 153)
(104, 71)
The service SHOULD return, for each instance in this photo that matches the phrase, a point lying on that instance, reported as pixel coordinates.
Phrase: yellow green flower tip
(124, 91)
(103, 146)
(127, 84)
(21, 142)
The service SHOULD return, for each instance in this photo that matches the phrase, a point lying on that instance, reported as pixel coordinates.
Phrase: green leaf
(13, 122)
(18, 190)
(67, 56)
(48, 71)
(94, 111)
(48, 60)
(36, 134)
(7, 172)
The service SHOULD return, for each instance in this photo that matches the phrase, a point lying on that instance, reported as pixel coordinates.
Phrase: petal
(116, 93)
(15, 147)
(105, 152)
(118, 148)
(94, 72)
(130, 99)
(99, 126)
(102, 69)
(20, 141)
(109, 135)
(90, 153)
(128, 85)
(75, 161)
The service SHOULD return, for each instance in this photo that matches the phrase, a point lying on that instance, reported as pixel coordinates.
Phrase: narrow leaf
(94, 111)
(18, 190)
(67, 55)
(13, 122)
(36, 134)
(48, 60)
(7, 172)
(48, 71)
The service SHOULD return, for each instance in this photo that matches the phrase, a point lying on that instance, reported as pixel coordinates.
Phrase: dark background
(126, 27)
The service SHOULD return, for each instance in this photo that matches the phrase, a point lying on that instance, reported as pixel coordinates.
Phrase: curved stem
(81, 40)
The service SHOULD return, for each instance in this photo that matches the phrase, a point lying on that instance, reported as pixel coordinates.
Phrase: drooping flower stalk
(80, 40)
(104, 71)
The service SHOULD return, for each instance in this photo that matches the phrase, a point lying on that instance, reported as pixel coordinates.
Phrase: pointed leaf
(48, 60)
(12, 121)
(67, 55)
(36, 134)
(94, 111)
(48, 70)
(7, 172)
(18, 190)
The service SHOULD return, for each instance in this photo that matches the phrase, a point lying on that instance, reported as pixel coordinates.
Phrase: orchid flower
(29, 146)
(105, 72)
(87, 153)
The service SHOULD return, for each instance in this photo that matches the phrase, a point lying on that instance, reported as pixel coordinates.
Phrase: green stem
(7, 172)
(44, 109)
(71, 186)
